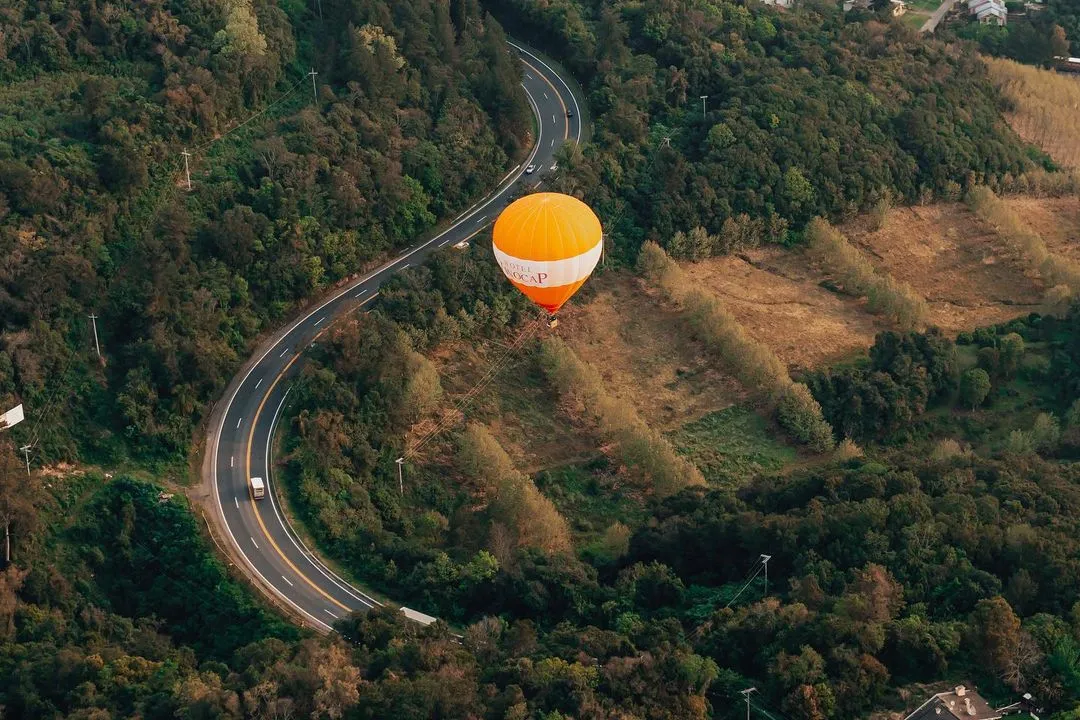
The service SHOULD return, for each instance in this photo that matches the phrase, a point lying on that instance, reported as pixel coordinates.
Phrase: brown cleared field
(954, 260)
(638, 347)
(1045, 107)
(943, 251)
(777, 298)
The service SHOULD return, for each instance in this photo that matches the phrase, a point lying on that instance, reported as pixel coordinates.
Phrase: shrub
(846, 449)
(974, 387)
(884, 295)
(800, 414)
(640, 447)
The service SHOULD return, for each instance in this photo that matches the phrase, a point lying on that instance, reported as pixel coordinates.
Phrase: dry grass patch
(518, 407)
(1045, 107)
(643, 357)
(780, 302)
(954, 260)
(643, 451)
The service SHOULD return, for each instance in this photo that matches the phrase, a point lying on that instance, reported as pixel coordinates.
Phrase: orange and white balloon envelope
(547, 245)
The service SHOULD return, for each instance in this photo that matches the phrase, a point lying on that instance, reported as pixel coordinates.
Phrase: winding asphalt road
(240, 441)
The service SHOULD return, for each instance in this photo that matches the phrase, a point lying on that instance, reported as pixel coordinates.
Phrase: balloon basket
(553, 323)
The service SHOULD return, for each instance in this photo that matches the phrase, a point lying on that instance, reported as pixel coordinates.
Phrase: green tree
(1012, 352)
(974, 387)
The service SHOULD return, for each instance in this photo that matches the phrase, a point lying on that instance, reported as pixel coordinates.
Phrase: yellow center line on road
(566, 131)
(255, 505)
(269, 390)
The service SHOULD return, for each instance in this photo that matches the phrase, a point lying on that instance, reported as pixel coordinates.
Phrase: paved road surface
(934, 20)
(240, 441)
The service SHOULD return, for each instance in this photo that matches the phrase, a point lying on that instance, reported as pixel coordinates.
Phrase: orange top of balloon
(547, 245)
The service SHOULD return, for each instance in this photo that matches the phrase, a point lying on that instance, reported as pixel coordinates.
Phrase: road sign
(12, 417)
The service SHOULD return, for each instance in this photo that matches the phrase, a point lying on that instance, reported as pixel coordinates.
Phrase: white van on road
(258, 490)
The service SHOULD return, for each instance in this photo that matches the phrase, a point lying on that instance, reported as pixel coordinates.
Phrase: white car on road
(530, 170)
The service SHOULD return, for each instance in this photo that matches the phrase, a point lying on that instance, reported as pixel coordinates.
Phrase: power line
(497, 365)
(265, 110)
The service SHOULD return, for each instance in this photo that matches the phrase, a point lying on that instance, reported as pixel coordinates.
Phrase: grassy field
(733, 445)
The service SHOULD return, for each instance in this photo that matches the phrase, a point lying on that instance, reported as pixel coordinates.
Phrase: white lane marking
(557, 76)
(283, 353)
(259, 383)
(288, 581)
(482, 219)
(545, 95)
(528, 76)
(291, 533)
(500, 185)
(444, 242)
(232, 461)
(238, 423)
(405, 266)
(537, 184)
(359, 293)
(320, 320)
(552, 118)
(552, 142)
(255, 543)
(335, 298)
(237, 501)
(329, 613)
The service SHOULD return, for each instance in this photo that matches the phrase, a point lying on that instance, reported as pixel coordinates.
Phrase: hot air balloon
(547, 245)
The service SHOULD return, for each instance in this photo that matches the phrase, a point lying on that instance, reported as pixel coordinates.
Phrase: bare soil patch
(943, 251)
(1057, 220)
(954, 260)
(778, 299)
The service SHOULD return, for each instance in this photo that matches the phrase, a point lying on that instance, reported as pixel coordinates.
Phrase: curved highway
(240, 440)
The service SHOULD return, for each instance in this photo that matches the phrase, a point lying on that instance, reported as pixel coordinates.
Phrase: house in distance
(962, 703)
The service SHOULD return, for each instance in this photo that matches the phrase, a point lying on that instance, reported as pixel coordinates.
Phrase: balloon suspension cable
(496, 367)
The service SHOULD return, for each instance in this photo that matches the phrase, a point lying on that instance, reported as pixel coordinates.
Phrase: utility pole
(187, 168)
(320, 9)
(703, 99)
(400, 476)
(314, 90)
(765, 561)
(97, 346)
(746, 693)
(26, 451)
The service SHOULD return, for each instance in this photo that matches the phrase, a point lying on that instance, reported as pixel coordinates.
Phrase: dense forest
(805, 115)
(948, 551)
(946, 548)
(418, 109)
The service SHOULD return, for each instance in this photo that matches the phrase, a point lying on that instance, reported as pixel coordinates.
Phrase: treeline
(898, 301)
(643, 450)
(905, 374)
(1041, 107)
(750, 166)
(1060, 274)
(521, 515)
(751, 362)
(417, 112)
